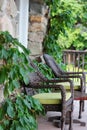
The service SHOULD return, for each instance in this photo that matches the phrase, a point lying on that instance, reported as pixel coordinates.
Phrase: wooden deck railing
(76, 60)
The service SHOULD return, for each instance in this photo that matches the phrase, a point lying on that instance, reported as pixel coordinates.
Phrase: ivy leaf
(26, 79)
(16, 83)
(25, 75)
(6, 92)
(20, 128)
(3, 75)
(13, 84)
(27, 103)
(21, 121)
(4, 53)
(17, 126)
(6, 122)
(2, 113)
(26, 51)
(10, 111)
(1, 128)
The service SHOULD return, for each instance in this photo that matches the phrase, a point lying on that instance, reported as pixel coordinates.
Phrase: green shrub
(20, 113)
(17, 111)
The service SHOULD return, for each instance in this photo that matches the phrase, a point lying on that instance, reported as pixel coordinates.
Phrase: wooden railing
(76, 60)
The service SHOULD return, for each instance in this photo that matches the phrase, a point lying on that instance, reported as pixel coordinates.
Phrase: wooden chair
(59, 100)
(59, 73)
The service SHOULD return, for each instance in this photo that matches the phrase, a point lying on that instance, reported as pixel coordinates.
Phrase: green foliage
(20, 113)
(14, 63)
(67, 27)
(47, 72)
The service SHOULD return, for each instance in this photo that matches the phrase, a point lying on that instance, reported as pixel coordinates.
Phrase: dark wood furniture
(83, 97)
(38, 81)
(77, 59)
(59, 73)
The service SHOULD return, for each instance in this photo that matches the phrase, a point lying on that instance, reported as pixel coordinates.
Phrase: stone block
(44, 21)
(36, 27)
(35, 18)
(6, 24)
(35, 48)
(11, 8)
(3, 4)
(35, 8)
(38, 1)
(36, 37)
(45, 10)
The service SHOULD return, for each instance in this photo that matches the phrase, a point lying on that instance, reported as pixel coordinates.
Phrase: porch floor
(44, 124)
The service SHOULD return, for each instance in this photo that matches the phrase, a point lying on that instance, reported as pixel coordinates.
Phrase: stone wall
(38, 19)
(37, 26)
(8, 13)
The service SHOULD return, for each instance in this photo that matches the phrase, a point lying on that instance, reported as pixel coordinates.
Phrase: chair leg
(63, 119)
(80, 109)
(71, 121)
(79, 122)
(83, 105)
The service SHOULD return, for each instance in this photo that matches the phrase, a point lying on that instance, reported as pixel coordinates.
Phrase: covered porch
(44, 124)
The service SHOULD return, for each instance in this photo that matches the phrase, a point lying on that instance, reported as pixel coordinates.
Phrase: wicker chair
(59, 73)
(59, 100)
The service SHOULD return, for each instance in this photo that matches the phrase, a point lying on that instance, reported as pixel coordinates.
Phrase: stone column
(37, 26)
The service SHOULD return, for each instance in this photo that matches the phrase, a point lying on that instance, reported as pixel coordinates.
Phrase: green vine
(20, 114)
(67, 27)
(17, 111)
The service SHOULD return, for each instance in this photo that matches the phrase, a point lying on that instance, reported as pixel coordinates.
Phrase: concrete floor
(44, 124)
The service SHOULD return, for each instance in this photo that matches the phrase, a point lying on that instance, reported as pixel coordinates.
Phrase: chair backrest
(58, 71)
(53, 65)
(35, 78)
(41, 76)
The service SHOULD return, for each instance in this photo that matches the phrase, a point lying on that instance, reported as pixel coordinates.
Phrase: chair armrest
(74, 76)
(83, 74)
(75, 73)
(61, 81)
(56, 86)
(51, 83)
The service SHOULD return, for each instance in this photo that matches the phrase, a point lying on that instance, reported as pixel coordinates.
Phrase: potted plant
(17, 111)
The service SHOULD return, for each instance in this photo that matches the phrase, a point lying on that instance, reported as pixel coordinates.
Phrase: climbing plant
(66, 27)
(17, 110)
